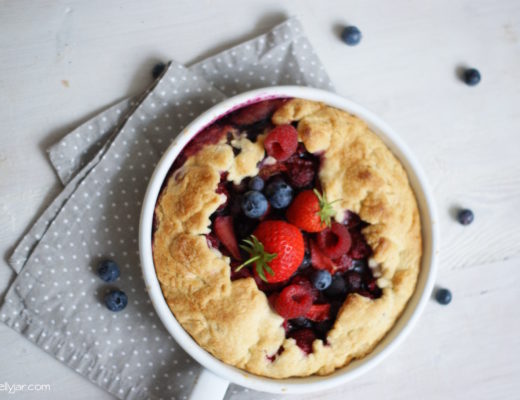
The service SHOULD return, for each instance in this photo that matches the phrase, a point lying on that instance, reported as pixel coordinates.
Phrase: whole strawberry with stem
(276, 248)
(310, 211)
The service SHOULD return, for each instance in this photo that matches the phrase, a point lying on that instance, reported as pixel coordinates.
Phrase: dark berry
(443, 296)
(301, 322)
(351, 35)
(337, 288)
(256, 183)
(279, 193)
(471, 76)
(306, 263)
(158, 69)
(321, 279)
(116, 300)
(108, 270)
(465, 217)
(254, 204)
(358, 266)
(354, 280)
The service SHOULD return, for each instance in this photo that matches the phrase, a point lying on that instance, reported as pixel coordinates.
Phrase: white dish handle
(209, 386)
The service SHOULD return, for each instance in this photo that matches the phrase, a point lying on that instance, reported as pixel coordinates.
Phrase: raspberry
(304, 339)
(344, 263)
(318, 312)
(293, 301)
(334, 241)
(359, 248)
(303, 281)
(281, 142)
(301, 172)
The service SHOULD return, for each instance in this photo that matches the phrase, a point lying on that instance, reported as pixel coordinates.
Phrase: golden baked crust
(233, 319)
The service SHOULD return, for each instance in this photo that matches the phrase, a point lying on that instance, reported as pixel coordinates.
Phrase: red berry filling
(304, 339)
(334, 241)
(341, 249)
(223, 227)
(293, 302)
(281, 142)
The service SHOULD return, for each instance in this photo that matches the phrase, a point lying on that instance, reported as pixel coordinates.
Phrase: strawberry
(293, 302)
(281, 142)
(304, 339)
(310, 211)
(320, 260)
(334, 241)
(277, 248)
(318, 312)
(223, 227)
(255, 112)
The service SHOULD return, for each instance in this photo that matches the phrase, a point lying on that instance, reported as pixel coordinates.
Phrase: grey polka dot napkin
(105, 164)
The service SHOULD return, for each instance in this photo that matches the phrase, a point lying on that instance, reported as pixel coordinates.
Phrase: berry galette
(287, 239)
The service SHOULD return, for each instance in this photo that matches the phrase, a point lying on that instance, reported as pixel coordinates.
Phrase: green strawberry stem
(326, 211)
(259, 256)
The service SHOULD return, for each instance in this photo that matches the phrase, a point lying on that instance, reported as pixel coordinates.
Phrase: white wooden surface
(468, 140)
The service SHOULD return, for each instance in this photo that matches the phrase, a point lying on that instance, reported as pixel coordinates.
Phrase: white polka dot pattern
(56, 300)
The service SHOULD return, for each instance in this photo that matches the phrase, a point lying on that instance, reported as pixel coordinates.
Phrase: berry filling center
(277, 228)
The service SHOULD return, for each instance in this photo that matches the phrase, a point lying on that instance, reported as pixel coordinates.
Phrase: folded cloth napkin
(105, 164)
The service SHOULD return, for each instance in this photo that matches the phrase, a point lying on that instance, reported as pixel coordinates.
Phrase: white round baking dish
(213, 384)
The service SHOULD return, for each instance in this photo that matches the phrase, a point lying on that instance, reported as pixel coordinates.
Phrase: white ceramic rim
(403, 325)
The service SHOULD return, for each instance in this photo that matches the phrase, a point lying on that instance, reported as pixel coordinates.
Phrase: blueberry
(279, 193)
(301, 322)
(351, 35)
(465, 216)
(158, 69)
(359, 266)
(443, 296)
(321, 279)
(256, 183)
(337, 288)
(116, 300)
(254, 204)
(108, 270)
(321, 328)
(471, 76)
(306, 263)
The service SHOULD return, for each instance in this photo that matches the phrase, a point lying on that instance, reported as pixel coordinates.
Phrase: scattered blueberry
(351, 35)
(279, 193)
(465, 216)
(471, 76)
(443, 296)
(116, 300)
(108, 270)
(337, 288)
(301, 322)
(254, 204)
(321, 279)
(256, 183)
(158, 69)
